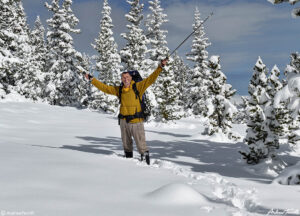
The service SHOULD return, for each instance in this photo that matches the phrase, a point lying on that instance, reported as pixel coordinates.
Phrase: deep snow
(67, 161)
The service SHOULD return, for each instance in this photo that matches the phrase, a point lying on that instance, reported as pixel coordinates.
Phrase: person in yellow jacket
(131, 123)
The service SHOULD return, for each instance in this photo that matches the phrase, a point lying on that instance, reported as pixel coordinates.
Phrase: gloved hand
(164, 62)
(88, 76)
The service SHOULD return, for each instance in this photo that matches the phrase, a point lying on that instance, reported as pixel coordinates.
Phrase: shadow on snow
(200, 155)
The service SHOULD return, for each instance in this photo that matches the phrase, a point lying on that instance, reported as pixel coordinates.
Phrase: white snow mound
(177, 194)
(289, 176)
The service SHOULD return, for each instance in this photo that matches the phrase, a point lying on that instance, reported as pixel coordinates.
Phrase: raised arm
(144, 84)
(113, 90)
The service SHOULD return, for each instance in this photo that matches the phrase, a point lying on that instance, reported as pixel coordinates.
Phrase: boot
(128, 154)
(147, 157)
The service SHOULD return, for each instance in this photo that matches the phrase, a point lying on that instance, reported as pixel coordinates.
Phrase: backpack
(145, 113)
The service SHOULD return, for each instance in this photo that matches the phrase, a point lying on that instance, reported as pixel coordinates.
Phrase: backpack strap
(137, 94)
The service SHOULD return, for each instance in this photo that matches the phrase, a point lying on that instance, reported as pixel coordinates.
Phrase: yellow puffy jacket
(129, 103)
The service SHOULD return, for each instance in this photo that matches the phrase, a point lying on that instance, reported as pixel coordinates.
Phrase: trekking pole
(190, 35)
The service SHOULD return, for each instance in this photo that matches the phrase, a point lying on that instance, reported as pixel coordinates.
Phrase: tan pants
(135, 130)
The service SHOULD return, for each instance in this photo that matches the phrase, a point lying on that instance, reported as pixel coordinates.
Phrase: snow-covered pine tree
(289, 95)
(156, 35)
(9, 59)
(295, 12)
(181, 71)
(272, 124)
(292, 74)
(256, 131)
(86, 65)
(284, 118)
(274, 81)
(167, 94)
(28, 79)
(37, 41)
(159, 51)
(197, 80)
(21, 73)
(134, 53)
(62, 60)
(241, 117)
(273, 129)
(280, 116)
(108, 61)
(220, 109)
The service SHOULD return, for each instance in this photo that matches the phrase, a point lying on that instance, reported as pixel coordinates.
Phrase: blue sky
(240, 30)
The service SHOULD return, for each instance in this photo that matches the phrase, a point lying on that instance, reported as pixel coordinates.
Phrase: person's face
(126, 79)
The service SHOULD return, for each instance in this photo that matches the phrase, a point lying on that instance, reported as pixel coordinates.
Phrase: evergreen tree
(289, 96)
(284, 117)
(18, 71)
(274, 81)
(272, 124)
(10, 62)
(157, 36)
(86, 65)
(38, 44)
(63, 79)
(134, 52)
(220, 109)
(198, 80)
(273, 129)
(293, 68)
(167, 95)
(158, 97)
(39, 51)
(199, 54)
(28, 79)
(181, 71)
(108, 61)
(258, 84)
(257, 131)
(241, 117)
(280, 116)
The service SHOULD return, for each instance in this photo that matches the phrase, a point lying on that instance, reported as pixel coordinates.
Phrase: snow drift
(177, 194)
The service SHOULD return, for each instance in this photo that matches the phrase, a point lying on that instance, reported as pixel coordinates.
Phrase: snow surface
(66, 161)
(289, 176)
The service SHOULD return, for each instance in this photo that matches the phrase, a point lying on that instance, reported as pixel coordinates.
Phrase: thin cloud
(230, 22)
(237, 21)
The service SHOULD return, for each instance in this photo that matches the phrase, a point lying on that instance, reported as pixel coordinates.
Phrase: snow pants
(135, 130)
